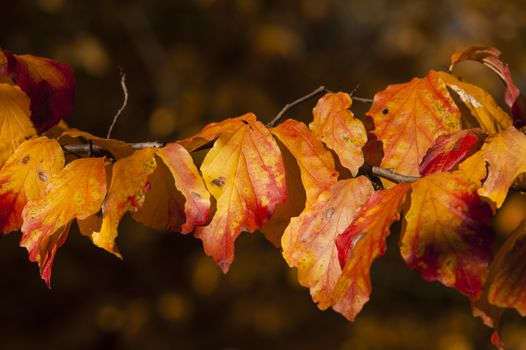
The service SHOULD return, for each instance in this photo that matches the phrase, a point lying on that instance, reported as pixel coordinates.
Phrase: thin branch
(362, 99)
(124, 103)
(94, 149)
(391, 175)
(288, 106)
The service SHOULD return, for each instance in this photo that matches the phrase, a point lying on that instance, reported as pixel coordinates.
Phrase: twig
(288, 106)
(391, 175)
(124, 103)
(94, 149)
(362, 99)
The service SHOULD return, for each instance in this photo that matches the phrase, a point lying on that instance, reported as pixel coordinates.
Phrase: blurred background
(190, 62)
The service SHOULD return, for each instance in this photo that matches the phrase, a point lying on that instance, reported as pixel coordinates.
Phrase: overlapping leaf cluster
(452, 154)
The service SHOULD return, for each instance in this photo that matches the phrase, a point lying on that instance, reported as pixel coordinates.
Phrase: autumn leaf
(483, 107)
(316, 164)
(360, 244)
(490, 57)
(505, 155)
(15, 125)
(309, 240)
(24, 177)
(129, 184)
(49, 84)
(450, 150)
(337, 127)
(409, 117)
(507, 287)
(309, 169)
(244, 172)
(447, 233)
(178, 199)
(76, 192)
(117, 148)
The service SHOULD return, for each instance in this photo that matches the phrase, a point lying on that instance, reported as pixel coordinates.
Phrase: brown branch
(391, 175)
(288, 106)
(124, 103)
(99, 150)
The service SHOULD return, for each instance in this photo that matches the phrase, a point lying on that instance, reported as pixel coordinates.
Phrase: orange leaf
(49, 84)
(504, 155)
(337, 127)
(117, 148)
(310, 170)
(244, 172)
(76, 192)
(24, 178)
(490, 57)
(409, 117)
(177, 192)
(211, 132)
(361, 243)
(447, 232)
(15, 126)
(507, 286)
(450, 150)
(309, 240)
(316, 164)
(483, 107)
(129, 184)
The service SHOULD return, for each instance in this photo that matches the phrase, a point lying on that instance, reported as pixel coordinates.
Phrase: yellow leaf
(129, 184)
(15, 125)
(337, 127)
(24, 178)
(76, 192)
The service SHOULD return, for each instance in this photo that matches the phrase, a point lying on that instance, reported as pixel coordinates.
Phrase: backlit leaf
(505, 154)
(309, 240)
(129, 184)
(178, 199)
(49, 84)
(409, 117)
(316, 164)
(337, 127)
(450, 150)
(24, 177)
(360, 244)
(447, 233)
(507, 286)
(244, 172)
(15, 125)
(76, 192)
(481, 104)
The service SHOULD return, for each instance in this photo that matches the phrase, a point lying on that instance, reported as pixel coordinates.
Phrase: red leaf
(49, 84)
(450, 150)
(361, 243)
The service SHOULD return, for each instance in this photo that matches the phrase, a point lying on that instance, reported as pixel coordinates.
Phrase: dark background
(195, 61)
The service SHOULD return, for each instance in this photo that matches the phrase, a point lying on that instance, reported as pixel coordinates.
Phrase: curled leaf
(447, 233)
(24, 177)
(410, 117)
(360, 244)
(178, 199)
(450, 150)
(483, 107)
(76, 192)
(505, 155)
(244, 172)
(129, 184)
(490, 57)
(309, 240)
(337, 127)
(49, 84)
(117, 148)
